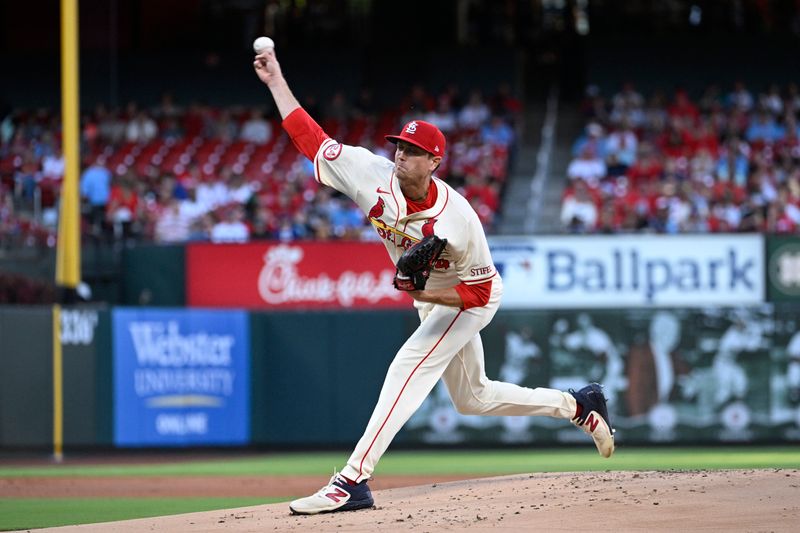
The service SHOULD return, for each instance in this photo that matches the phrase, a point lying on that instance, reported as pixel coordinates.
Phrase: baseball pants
(447, 345)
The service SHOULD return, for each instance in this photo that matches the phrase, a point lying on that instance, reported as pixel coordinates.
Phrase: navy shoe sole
(349, 506)
(356, 505)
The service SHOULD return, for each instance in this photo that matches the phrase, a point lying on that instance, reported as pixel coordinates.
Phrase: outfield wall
(26, 376)
(176, 377)
(694, 337)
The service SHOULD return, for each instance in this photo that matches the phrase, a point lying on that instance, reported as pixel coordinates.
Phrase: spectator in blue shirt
(594, 137)
(764, 129)
(497, 133)
(95, 190)
(732, 164)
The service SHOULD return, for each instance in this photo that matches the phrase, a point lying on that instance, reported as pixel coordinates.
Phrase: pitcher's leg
(473, 393)
(413, 373)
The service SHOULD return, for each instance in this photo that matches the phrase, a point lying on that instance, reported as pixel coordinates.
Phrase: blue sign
(181, 377)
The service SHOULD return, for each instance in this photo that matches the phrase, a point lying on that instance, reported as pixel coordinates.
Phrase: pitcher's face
(413, 163)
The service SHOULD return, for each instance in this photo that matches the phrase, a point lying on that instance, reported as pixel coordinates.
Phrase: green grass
(444, 462)
(29, 513)
(33, 513)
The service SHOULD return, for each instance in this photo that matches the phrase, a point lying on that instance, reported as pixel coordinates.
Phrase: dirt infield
(733, 500)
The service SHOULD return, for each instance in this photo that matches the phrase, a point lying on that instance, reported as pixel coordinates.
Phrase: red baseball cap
(422, 134)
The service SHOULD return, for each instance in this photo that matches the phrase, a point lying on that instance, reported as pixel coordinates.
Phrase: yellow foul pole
(68, 251)
(58, 391)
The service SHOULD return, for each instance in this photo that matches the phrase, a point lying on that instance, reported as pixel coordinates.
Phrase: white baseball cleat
(337, 495)
(594, 418)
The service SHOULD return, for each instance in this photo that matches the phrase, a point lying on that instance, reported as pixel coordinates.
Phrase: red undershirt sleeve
(305, 133)
(474, 295)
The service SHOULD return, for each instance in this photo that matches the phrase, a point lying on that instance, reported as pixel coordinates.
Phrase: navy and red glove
(415, 265)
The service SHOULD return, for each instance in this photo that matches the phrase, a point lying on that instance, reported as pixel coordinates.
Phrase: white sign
(630, 271)
(77, 326)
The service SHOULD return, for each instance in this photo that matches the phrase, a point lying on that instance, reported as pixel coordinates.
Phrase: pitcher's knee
(474, 405)
(400, 369)
(468, 408)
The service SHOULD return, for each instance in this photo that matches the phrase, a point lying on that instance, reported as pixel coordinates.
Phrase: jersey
(370, 181)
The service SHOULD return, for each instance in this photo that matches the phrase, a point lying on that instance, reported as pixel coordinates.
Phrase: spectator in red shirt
(647, 168)
(683, 109)
(123, 211)
(779, 219)
(675, 141)
(478, 186)
(611, 219)
(705, 138)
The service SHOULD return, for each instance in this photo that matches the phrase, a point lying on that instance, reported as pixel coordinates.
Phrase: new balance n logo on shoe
(591, 422)
(335, 496)
(592, 410)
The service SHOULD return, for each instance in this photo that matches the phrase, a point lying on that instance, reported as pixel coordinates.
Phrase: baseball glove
(414, 266)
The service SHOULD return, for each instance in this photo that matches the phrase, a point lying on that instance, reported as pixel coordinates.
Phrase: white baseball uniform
(447, 343)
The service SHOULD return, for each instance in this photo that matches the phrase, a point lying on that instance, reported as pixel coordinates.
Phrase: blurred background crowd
(174, 173)
(727, 160)
(562, 116)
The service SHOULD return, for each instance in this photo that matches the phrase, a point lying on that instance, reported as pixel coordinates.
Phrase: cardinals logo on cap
(423, 135)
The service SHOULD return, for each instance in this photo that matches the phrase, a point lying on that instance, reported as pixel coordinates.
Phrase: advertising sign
(630, 271)
(718, 374)
(783, 268)
(314, 275)
(181, 377)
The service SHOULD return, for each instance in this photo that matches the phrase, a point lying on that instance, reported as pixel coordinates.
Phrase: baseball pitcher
(437, 243)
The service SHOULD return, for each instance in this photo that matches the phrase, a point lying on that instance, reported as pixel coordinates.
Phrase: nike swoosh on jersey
(381, 191)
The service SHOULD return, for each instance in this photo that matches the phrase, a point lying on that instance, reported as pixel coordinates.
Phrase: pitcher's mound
(732, 500)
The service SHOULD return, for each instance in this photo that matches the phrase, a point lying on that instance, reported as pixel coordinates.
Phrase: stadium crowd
(174, 174)
(726, 162)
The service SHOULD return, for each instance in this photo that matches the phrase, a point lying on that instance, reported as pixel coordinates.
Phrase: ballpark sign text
(630, 271)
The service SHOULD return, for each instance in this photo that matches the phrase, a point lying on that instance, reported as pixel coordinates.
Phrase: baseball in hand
(262, 44)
